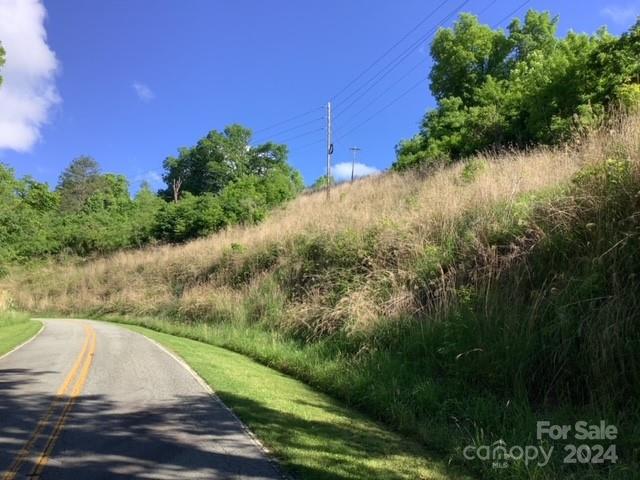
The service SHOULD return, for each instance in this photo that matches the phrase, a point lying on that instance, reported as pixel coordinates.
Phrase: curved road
(89, 400)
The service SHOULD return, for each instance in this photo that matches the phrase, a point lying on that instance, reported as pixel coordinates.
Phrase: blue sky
(130, 81)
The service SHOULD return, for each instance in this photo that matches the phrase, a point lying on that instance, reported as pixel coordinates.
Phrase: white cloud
(143, 91)
(28, 90)
(342, 171)
(622, 15)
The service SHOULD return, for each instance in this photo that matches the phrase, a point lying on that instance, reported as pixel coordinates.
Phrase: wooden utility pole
(355, 151)
(329, 149)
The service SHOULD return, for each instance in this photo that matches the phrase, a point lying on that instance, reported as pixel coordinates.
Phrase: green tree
(2, 57)
(146, 206)
(321, 182)
(464, 56)
(220, 159)
(111, 193)
(38, 195)
(191, 217)
(215, 161)
(224, 180)
(243, 201)
(78, 182)
(526, 86)
(280, 184)
(28, 215)
(536, 34)
(616, 62)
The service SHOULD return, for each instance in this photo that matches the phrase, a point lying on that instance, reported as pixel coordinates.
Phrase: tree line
(519, 87)
(223, 180)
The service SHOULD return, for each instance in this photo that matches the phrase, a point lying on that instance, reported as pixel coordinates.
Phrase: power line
(307, 145)
(399, 97)
(414, 86)
(491, 4)
(383, 93)
(513, 12)
(375, 62)
(304, 114)
(301, 135)
(295, 117)
(289, 130)
(379, 76)
(399, 59)
(421, 62)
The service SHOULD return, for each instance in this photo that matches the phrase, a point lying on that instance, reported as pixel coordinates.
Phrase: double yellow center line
(78, 374)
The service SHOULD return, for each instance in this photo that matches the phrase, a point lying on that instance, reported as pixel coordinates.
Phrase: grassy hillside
(459, 306)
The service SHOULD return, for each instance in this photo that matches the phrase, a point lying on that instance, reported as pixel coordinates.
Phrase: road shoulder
(16, 331)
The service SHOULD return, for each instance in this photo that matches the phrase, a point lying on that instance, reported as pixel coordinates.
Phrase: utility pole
(355, 151)
(329, 149)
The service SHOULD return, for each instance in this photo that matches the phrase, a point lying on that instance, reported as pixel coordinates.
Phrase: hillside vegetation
(458, 305)
(225, 179)
(519, 87)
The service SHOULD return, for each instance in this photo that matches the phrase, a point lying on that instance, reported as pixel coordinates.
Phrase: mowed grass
(312, 435)
(15, 328)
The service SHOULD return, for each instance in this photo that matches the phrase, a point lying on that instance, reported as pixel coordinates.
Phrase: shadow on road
(192, 437)
(186, 437)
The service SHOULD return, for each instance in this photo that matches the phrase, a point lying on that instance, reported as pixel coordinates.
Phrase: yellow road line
(77, 389)
(24, 451)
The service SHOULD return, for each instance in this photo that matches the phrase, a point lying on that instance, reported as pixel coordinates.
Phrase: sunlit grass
(313, 435)
(15, 329)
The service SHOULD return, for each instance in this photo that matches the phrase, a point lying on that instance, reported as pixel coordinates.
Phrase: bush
(191, 217)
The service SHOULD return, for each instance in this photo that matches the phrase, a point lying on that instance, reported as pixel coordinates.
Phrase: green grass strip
(312, 435)
(15, 330)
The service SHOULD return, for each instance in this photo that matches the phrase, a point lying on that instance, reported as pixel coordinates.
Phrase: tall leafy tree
(614, 64)
(536, 34)
(215, 161)
(222, 158)
(464, 56)
(146, 206)
(78, 182)
(520, 87)
(223, 180)
(28, 212)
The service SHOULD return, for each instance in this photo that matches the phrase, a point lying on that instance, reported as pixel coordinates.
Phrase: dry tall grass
(532, 255)
(408, 210)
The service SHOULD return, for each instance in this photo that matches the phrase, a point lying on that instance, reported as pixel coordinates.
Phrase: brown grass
(409, 211)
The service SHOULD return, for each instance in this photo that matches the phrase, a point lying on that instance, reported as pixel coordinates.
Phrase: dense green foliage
(321, 182)
(35, 221)
(224, 182)
(222, 158)
(520, 87)
(1, 60)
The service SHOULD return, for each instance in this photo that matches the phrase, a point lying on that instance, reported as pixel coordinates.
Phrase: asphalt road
(88, 400)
